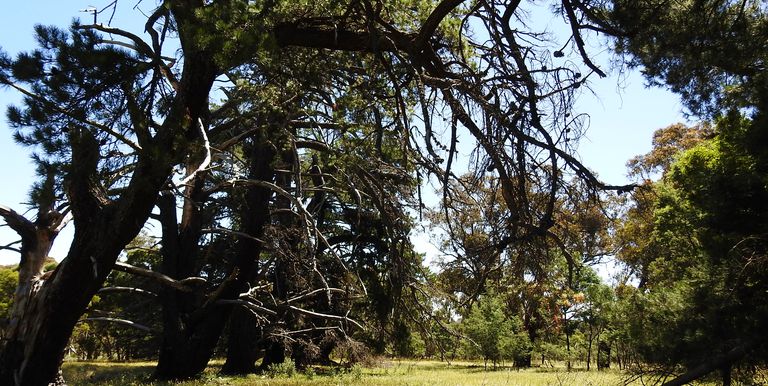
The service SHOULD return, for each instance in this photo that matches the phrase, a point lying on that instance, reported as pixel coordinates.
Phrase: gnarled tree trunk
(36, 242)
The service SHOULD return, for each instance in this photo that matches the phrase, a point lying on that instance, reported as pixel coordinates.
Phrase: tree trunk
(190, 329)
(716, 362)
(274, 353)
(523, 361)
(45, 320)
(242, 346)
(603, 355)
(103, 224)
(567, 344)
(36, 241)
(242, 350)
(589, 351)
(726, 374)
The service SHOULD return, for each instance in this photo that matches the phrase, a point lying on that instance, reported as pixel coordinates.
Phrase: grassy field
(386, 373)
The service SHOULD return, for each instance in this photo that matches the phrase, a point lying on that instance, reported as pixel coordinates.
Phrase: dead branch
(324, 316)
(127, 289)
(124, 322)
(319, 290)
(181, 285)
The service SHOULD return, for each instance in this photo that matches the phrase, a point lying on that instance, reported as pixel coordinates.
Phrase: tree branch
(433, 21)
(141, 47)
(575, 29)
(119, 321)
(324, 316)
(127, 289)
(17, 222)
(181, 285)
(715, 363)
(64, 111)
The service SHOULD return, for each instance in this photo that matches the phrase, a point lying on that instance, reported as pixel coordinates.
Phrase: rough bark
(188, 341)
(242, 346)
(242, 349)
(274, 345)
(36, 241)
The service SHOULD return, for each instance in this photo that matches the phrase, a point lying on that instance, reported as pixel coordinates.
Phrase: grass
(395, 372)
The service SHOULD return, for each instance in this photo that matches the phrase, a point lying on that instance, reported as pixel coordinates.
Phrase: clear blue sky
(622, 118)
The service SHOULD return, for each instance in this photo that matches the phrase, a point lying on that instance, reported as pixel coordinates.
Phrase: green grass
(405, 372)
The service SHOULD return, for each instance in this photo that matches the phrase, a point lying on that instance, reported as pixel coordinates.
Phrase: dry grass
(405, 372)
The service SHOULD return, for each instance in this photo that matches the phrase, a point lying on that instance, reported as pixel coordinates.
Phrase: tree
(712, 196)
(708, 214)
(90, 108)
(494, 335)
(639, 241)
(712, 61)
(112, 119)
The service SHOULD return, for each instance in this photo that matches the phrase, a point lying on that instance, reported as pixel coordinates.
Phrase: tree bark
(275, 347)
(242, 350)
(190, 330)
(36, 241)
(243, 343)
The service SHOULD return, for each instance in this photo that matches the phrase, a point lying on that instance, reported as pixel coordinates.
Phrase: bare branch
(8, 247)
(17, 222)
(127, 289)
(306, 216)
(64, 221)
(207, 161)
(247, 304)
(319, 290)
(232, 232)
(575, 29)
(181, 285)
(324, 316)
(119, 321)
(141, 47)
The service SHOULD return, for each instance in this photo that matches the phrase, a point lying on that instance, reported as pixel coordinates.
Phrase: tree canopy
(282, 146)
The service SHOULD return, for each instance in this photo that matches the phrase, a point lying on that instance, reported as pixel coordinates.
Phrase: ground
(387, 372)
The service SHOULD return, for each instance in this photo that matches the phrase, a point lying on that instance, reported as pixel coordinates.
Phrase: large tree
(711, 200)
(112, 119)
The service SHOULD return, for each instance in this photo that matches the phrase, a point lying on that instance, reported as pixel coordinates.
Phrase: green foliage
(493, 335)
(9, 279)
(285, 369)
(92, 340)
(705, 293)
(710, 52)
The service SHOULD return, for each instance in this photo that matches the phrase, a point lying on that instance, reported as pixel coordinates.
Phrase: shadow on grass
(107, 373)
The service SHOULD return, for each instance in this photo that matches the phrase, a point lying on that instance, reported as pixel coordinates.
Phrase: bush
(286, 369)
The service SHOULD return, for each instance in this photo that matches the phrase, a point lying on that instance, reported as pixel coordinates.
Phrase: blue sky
(623, 114)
